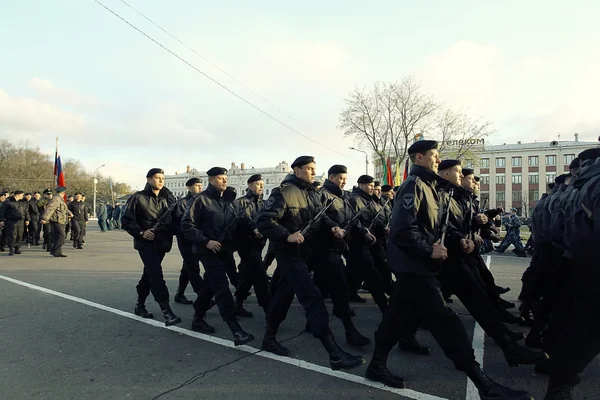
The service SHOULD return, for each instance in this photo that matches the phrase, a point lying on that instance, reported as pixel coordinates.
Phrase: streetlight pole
(366, 159)
(95, 183)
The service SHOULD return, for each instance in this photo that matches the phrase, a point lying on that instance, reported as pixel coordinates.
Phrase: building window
(501, 162)
(500, 180)
(550, 177)
(468, 164)
(267, 192)
(550, 160)
(485, 198)
(534, 178)
(568, 158)
(499, 196)
(534, 195)
(516, 178)
(534, 161)
(484, 179)
(485, 163)
(517, 196)
(516, 161)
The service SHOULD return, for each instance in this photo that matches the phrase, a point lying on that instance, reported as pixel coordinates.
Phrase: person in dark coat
(3, 197)
(15, 215)
(78, 220)
(148, 220)
(287, 212)
(101, 214)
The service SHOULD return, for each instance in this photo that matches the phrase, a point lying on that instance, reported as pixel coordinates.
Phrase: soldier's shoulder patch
(269, 203)
(408, 201)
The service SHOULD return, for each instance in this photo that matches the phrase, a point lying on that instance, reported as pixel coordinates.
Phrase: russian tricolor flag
(59, 174)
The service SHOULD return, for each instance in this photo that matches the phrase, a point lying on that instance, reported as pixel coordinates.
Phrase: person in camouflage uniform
(513, 235)
(47, 228)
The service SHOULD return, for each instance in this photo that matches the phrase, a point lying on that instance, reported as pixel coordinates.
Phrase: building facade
(516, 175)
(237, 178)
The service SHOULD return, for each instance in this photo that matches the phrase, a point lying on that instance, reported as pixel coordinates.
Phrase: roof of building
(537, 145)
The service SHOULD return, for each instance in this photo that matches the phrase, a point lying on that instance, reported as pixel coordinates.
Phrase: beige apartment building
(516, 175)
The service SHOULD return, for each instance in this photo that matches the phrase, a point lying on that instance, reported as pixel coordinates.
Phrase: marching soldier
(79, 219)
(15, 215)
(3, 196)
(513, 235)
(415, 250)
(148, 219)
(209, 223)
(57, 214)
(290, 209)
(46, 229)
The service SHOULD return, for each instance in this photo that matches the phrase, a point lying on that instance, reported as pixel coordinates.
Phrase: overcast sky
(71, 69)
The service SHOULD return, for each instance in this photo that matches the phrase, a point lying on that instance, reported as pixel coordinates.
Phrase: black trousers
(216, 284)
(77, 227)
(58, 237)
(3, 237)
(14, 233)
(34, 230)
(362, 268)
(379, 254)
(253, 273)
(47, 234)
(421, 296)
(152, 280)
(190, 269)
(330, 278)
(458, 278)
(294, 279)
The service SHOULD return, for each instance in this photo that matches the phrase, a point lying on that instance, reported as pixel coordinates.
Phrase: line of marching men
(327, 242)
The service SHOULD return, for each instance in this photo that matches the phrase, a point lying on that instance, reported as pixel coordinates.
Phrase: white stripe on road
(226, 343)
(478, 348)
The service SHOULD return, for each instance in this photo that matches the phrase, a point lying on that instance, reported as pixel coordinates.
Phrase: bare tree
(525, 204)
(458, 134)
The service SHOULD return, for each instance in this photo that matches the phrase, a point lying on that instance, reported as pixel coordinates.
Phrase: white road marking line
(478, 348)
(226, 343)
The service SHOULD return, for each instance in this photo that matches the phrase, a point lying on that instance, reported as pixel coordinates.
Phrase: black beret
(28, 194)
(255, 178)
(365, 179)
(477, 179)
(82, 194)
(421, 146)
(337, 169)
(216, 171)
(560, 179)
(153, 172)
(589, 154)
(386, 188)
(76, 193)
(448, 164)
(18, 192)
(61, 189)
(468, 171)
(47, 191)
(302, 161)
(36, 192)
(192, 181)
(575, 163)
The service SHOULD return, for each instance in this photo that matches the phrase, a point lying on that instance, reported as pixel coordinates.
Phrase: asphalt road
(68, 332)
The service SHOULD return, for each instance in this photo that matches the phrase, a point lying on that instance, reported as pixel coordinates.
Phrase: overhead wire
(215, 81)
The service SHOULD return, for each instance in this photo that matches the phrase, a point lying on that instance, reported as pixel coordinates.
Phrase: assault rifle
(446, 216)
(231, 223)
(355, 217)
(378, 212)
(160, 219)
(316, 218)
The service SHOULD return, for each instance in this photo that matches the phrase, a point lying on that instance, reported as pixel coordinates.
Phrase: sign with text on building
(464, 142)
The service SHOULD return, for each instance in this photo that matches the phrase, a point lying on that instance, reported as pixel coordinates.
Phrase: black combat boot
(534, 338)
(355, 298)
(200, 325)
(377, 370)
(17, 250)
(180, 297)
(271, 344)
(514, 336)
(239, 336)
(563, 392)
(240, 311)
(412, 345)
(543, 367)
(507, 305)
(353, 336)
(508, 318)
(502, 290)
(518, 355)
(170, 318)
(490, 390)
(11, 251)
(44, 246)
(140, 310)
(338, 358)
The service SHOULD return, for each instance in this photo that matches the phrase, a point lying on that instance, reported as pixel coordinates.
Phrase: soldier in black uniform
(209, 223)
(190, 270)
(15, 215)
(148, 219)
(285, 214)
(78, 220)
(579, 342)
(250, 244)
(45, 228)
(34, 225)
(381, 231)
(414, 254)
(3, 197)
(88, 213)
(329, 265)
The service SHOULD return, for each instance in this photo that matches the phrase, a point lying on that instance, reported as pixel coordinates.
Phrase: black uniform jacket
(78, 209)
(416, 223)
(208, 215)
(251, 204)
(288, 210)
(358, 200)
(142, 211)
(15, 210)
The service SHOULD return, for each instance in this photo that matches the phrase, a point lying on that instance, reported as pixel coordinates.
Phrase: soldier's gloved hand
(440, 252)
(467, 245)
(295, 237)
(478, 240)
(370, 238)
(26, 223)
(213, 246)
(338, 232)
(481, 219)
(148, 234)
(43, 222)
(257, 234)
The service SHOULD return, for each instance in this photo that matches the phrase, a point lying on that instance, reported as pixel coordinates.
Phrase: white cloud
(47, 91)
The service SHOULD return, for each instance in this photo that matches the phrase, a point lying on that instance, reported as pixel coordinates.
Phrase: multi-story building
(237, 178)
(516, 175)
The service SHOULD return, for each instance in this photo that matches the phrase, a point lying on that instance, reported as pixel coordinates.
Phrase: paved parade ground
(68, 332)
